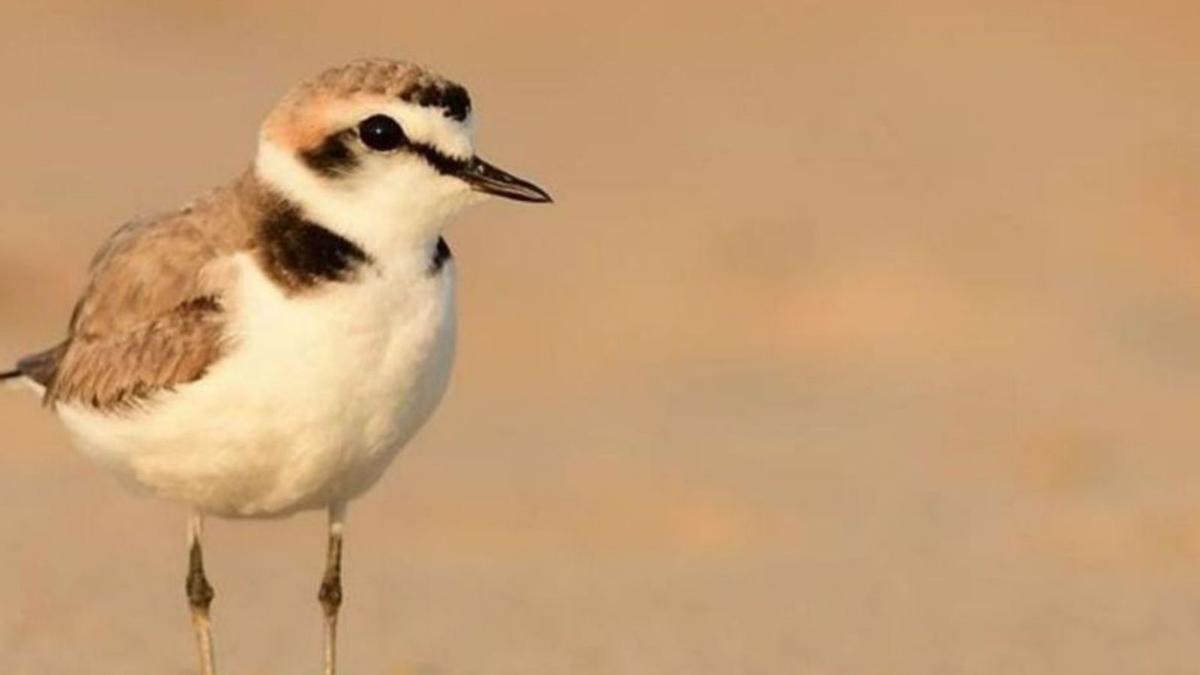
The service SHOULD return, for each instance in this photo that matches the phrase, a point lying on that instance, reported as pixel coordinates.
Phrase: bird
(269, 347)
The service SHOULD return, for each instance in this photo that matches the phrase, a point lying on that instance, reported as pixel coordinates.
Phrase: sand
(863, 338)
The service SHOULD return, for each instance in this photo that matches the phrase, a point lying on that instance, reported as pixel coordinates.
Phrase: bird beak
(487, 178)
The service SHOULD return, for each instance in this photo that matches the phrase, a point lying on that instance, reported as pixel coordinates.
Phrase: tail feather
(10, 374)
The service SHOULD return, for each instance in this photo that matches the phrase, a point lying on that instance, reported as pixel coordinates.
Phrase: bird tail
(16, 378)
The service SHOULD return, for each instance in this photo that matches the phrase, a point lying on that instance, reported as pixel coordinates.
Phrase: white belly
(314, 399)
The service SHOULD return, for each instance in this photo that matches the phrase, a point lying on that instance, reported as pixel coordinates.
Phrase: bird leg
(200, 595)
(330, 594)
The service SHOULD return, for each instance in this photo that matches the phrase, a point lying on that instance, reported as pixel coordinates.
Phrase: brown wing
(152, 317)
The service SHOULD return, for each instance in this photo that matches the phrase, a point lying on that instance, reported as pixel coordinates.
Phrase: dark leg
(330, 594)
(200, 595)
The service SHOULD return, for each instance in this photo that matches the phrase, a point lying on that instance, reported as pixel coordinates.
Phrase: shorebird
(271, 346)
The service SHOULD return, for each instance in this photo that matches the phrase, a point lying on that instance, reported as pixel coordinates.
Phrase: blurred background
(864, 338)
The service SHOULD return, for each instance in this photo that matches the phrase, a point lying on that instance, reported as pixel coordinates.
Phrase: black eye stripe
(440, 161)
(333, 157)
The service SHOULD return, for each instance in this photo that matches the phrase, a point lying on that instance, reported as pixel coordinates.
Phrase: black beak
(486, 178)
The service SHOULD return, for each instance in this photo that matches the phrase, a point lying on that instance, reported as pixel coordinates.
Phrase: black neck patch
(299, 254)
(440, 256)
(333, 157)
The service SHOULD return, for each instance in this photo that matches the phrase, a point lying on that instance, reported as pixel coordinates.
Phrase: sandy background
(864, 338)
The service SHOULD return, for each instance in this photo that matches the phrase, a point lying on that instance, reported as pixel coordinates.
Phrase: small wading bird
(270, 347)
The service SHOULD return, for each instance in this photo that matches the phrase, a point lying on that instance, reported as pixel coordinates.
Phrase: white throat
(395, 213)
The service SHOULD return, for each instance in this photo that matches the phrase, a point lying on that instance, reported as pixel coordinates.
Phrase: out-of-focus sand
(863, 338)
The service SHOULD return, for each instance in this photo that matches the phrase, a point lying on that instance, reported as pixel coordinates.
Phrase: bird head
(380, 149)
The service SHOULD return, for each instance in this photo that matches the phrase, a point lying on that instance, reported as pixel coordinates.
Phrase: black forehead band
(450, 97)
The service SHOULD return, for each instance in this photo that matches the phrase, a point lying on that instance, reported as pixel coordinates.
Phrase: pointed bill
(485, 177)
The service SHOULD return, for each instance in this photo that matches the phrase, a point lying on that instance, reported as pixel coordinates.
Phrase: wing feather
(152, 316)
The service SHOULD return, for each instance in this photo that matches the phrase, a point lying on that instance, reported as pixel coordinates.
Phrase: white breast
(315, 397)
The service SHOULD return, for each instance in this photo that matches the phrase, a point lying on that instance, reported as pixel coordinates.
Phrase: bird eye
(382, 133)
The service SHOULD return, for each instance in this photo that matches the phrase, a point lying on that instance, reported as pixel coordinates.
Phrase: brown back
(153, 314)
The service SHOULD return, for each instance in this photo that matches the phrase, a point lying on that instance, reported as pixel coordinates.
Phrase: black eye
(380, 132)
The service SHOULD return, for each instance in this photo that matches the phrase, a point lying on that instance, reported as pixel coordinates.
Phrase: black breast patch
(299, 254)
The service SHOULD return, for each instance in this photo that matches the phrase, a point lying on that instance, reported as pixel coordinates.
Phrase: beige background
(863, 338)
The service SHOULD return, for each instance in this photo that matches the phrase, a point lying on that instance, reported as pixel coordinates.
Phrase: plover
(271, 346)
